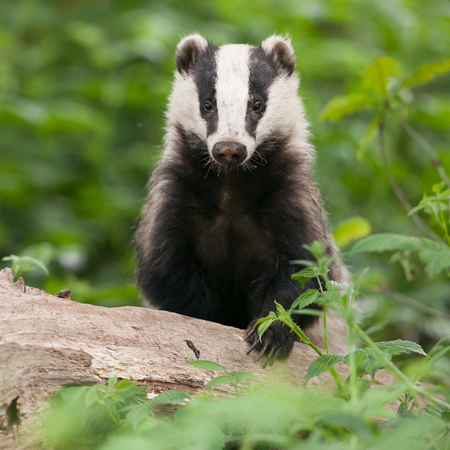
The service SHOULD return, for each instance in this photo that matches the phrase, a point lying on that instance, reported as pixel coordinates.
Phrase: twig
(413, 303)
(429, 149)
(398, 190)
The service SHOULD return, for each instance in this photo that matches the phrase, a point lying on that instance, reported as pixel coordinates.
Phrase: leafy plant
(232, 377)
(24, 264)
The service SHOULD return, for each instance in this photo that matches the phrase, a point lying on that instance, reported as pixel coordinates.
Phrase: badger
(232, 202)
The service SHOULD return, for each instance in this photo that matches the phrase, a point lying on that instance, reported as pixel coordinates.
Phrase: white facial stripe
(232, 96)
(184, 106)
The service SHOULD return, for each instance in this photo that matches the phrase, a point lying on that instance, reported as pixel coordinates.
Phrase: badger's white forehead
(232, 94)
(230, 79)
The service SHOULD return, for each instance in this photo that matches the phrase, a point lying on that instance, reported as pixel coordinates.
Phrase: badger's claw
(276, 342)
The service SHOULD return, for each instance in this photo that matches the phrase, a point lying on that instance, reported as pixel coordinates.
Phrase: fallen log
(48, 342)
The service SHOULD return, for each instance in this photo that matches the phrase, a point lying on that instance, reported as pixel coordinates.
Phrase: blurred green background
(83, 87)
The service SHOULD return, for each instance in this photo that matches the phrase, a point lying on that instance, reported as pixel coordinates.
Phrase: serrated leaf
(171, 397)
(263, 327)
(427, 71)
(351, 230)
(138, 413)
(386, 241)
(223, 380)
(305, 275)
(206, 365)
(322, 364)
(436, 255)
(399, 347)
(308, 297)
(377, 75)
(343, 105)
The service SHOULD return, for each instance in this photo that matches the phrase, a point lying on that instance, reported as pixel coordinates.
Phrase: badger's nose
(229, 153)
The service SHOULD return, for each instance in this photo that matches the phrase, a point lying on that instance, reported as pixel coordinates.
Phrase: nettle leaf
(377, 75)
(386, 241)
(305, 275)
(436, 255)
(368, 361)
(264, 326)
(138, 413)
(322, 364)
(399, 347)
(171, 397)
(206, 365)
(308, 297)
(223, 380)
(351, 230)
(343, 105)
(427, 71)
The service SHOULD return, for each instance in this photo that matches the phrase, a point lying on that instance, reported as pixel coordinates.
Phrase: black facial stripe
(262, 73)
(205, 75)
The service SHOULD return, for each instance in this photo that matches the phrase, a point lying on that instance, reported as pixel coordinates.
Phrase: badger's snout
(229, 153)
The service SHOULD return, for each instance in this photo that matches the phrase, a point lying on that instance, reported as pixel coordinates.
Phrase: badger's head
(236, 97)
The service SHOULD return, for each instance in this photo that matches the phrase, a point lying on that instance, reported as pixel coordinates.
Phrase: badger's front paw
(276, 342)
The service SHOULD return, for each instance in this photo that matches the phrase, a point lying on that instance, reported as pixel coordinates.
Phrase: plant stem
(391, 367)
(429, 149)
(299, 332)
(396, 187)
(325, 334)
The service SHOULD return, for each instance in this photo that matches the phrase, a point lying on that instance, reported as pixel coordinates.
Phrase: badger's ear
(188, 50)
(283, 53)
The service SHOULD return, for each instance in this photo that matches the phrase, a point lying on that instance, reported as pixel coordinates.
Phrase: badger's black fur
(216, 243)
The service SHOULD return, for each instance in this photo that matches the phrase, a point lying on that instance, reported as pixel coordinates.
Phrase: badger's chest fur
(232, 201)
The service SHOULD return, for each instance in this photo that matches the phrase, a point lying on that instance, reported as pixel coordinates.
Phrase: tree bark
(47, 343)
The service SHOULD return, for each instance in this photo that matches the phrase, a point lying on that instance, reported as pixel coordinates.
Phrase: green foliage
(351, 230)
(82, 92)
(24, 264)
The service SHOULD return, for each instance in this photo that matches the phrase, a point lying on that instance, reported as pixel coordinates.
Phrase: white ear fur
(282, 51)
(187, 51)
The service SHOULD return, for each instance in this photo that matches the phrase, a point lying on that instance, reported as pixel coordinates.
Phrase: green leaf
(171, 397)
(263, 327)
(91, 396)
(206, 365)
(322, 364)
(436, 255)
(223, 380)
(351, 230)
(399, 347)
(386, 241)
(427, 71)
(138, 413)
(112, 381)
(343, 105)
(124, 385)
(308, 297)
(376, 77)
(305, 275)
(24, 264)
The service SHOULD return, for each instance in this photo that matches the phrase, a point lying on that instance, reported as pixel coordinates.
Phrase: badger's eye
(257, 107)
(208, 106)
